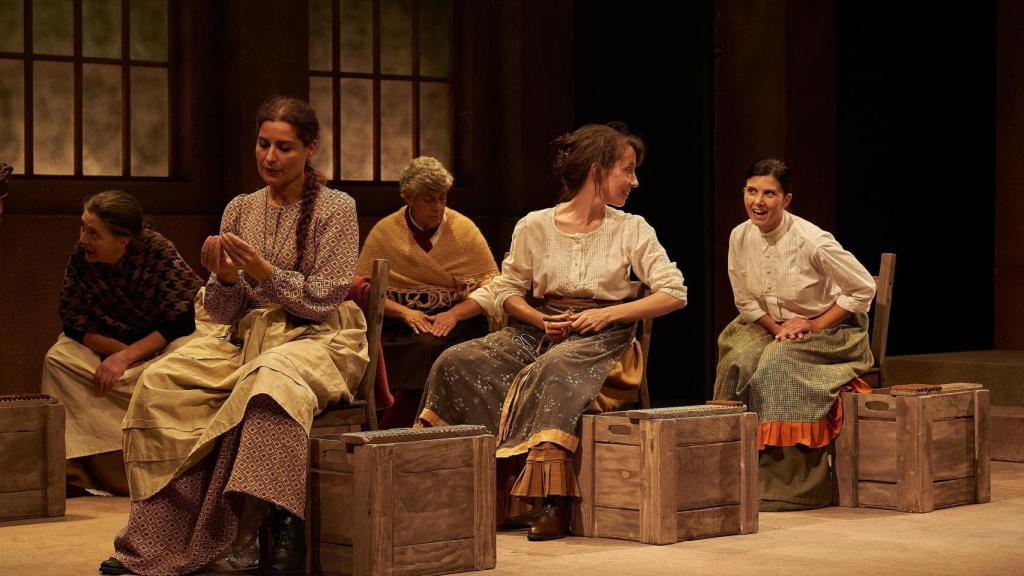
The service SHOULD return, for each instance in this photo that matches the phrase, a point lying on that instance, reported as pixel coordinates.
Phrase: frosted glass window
(52, 29)
(396, 37)
(101, 28)
(435, 55)
(53, 118)
(148, 25)
(320, 22)
(395, 127)
(12, 21)
(435, 121)
(101, 120)
(321, 97)
(356, 129)
(150, 134)
(356, 35)
(12, 114)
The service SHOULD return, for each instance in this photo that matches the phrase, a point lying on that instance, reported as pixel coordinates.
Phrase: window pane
(356, 129)
(101, 120)
(396, 37)
(148, 27)
(435, 56)
(321, 97)
(12, 19)
(51, 27)
(53, 118)
(149, 121)
(101, 28)
(435, 122)
(356, 35)
(320, 34)
(395, 127)
(12, 114)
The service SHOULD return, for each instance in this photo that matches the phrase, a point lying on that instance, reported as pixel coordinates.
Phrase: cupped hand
(246, 256)
(215, 259)
(110, 371)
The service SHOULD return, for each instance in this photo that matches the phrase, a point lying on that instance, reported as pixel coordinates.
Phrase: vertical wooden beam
(55, 460)
(846, 453)
(982, 471)
(658, 490)
(748, 473)
(484, 537)
(583, 510)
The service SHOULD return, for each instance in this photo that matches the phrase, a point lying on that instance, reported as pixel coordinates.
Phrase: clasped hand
(558, 327)
(225, 254)
(795, 328)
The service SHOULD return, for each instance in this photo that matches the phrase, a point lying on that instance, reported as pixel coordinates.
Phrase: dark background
(901, 127)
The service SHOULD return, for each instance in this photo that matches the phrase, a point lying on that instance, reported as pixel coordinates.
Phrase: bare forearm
(768, 324)
(517, 307)
(652, 306)
(831, 318)
(144, 347)
(102, 345)
(466, 309)
(393, 309)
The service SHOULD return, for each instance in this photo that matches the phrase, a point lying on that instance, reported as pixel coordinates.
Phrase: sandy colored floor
(967, 540)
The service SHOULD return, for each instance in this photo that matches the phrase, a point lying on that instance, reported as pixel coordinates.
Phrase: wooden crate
(913, 453)
(402, 501)
(665, 475)
(31, 456)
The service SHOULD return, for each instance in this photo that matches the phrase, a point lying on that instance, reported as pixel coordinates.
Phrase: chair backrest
(374, 320)
(883, 303)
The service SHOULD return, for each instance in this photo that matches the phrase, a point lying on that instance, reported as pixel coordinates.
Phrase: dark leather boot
(553, 521)
(287, 551)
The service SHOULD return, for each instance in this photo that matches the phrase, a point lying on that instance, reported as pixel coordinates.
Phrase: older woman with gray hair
(438, 257)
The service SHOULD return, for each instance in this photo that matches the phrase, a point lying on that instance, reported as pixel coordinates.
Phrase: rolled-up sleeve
(856, 285)
(651, 263)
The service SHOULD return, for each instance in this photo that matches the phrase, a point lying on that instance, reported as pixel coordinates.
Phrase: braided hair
(301, 116)
(601, 144)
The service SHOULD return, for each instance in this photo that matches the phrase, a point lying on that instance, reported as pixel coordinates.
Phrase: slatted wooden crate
(665, 475)
(31, 456)
(402, 501)
(914, 453)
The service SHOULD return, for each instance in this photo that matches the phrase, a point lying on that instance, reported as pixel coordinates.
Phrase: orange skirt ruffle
(811, 434)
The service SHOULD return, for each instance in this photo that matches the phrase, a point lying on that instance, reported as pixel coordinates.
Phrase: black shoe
(75, 491)
(286, 553)
(113, 566)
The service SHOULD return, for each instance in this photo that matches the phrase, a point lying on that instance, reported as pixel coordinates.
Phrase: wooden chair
(643, 335)
(880, 323)
(361, 413)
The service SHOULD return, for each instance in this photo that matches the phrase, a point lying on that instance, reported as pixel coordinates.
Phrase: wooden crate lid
(21, 400)
(398, 435)
(914, 389)
(685, 411)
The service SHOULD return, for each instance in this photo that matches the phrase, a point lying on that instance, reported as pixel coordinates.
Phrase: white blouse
(596, 264)
(797, 269)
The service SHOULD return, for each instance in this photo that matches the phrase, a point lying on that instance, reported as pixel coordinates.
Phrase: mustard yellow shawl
(459, 262)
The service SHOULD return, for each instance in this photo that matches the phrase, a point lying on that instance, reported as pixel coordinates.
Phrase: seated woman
(127, 297)
(530, 382)
(438, 257)
(800, 338)
(216, 436)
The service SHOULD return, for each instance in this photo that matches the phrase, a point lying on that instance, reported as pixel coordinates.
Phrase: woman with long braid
(216, 434)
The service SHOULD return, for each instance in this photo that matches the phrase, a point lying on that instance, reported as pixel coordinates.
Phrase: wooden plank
(616, 523)
(982, 436)
(951, 405)
(748, 474)
(485, 543)
(330, 501)
(876, 495)
(913, 464)
(429, 455)
(708, 475)
(707, 429)
(616, 430)
(382, 510)
(56, 462)
(583, 508)
(876, 405)
(25, 504)
(331, 559)
(877, 450)
(658, 490)
(953, 449)
(708, 522)
(23, 459)
(954, 492)
(329, 431)
(847, 454)
(1006, 432)
(433, 506)
(617, 476)
(23, 418)
(434, 558)
(330, 454)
